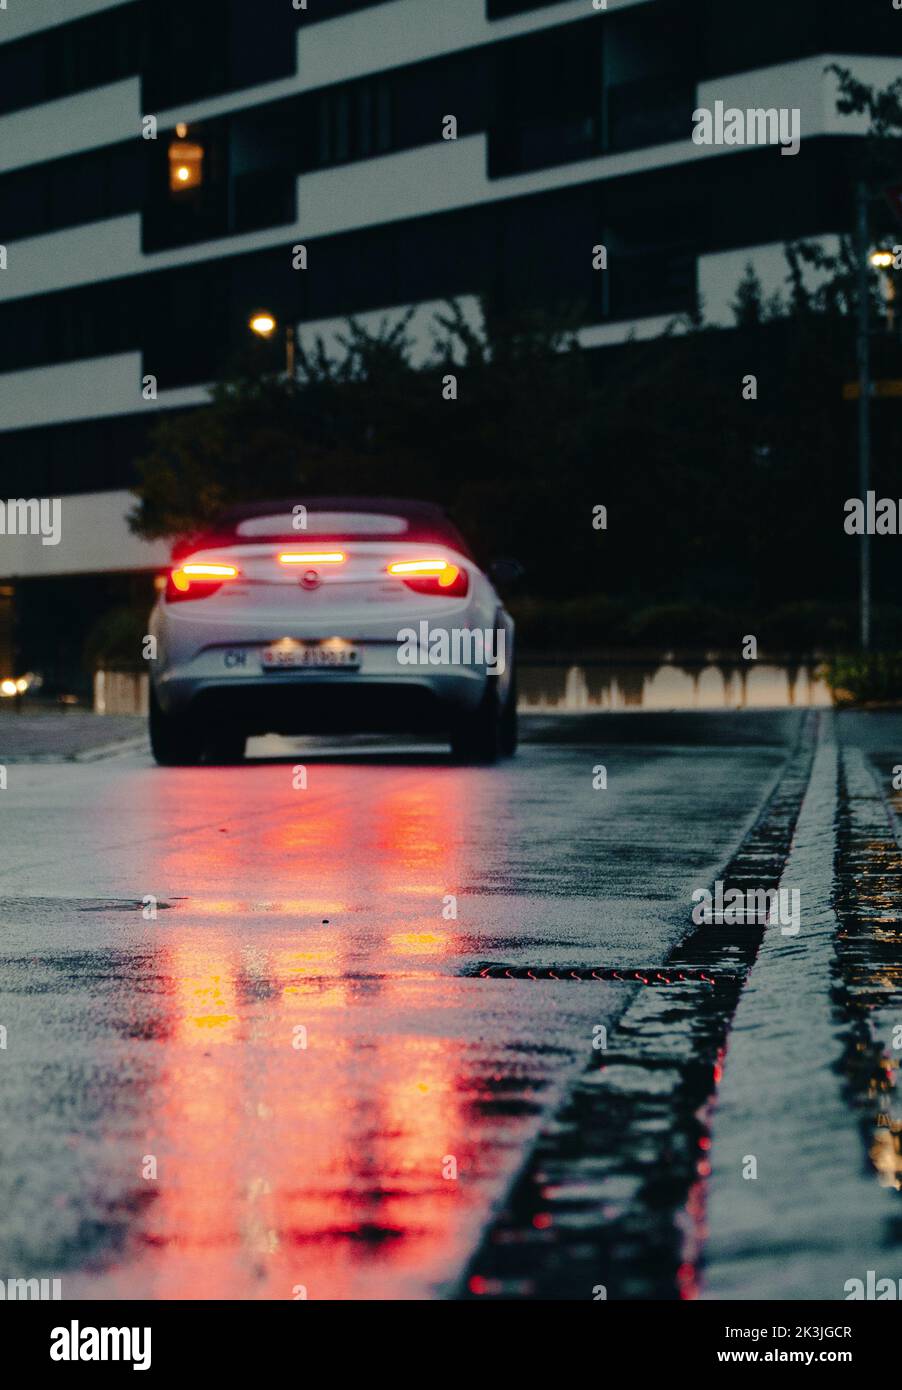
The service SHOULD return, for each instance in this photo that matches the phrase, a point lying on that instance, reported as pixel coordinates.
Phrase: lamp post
(264, 325)
(884, 260)
(863, 356)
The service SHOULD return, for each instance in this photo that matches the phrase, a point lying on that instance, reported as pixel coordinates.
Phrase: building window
(354, 122)
(548, 91)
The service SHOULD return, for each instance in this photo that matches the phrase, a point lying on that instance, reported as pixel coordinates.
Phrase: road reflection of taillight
(434, 576)
(198, 579)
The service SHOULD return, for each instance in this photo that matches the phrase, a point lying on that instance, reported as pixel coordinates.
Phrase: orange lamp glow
(186, 159)
(263, 324)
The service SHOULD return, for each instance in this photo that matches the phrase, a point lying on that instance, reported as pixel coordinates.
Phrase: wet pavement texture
(51, 734)
(303, 1074)
(327, 1024)
(796, 1206)
(612, 1202)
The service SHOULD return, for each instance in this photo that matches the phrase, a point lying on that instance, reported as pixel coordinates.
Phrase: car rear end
(292, 632)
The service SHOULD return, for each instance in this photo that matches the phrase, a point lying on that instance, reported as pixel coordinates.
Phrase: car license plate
(291, 656)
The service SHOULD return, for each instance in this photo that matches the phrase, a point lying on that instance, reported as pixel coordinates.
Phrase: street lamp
(882, 259)
(264, 324)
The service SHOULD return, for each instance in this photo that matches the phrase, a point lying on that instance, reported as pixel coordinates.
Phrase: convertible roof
(426, 520)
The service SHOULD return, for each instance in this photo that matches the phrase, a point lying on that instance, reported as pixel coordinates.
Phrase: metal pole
(289, 352)
(890, 304)
(864, 409)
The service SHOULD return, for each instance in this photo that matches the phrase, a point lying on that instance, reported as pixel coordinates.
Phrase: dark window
(263, 198)
(354, 121)
(23, 79)
(650, 75)
(58, 62)
(649, 111)
(209, 46)
(23, 198)
(69, 192)
(365, 121)
(76, 192)
(548, 100)
(79, 456)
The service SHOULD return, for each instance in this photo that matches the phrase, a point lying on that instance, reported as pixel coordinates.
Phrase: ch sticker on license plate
(284, 656)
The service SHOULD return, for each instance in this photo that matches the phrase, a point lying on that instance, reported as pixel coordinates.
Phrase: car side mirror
(506, 571)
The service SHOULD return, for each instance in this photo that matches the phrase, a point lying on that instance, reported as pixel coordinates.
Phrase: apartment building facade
(162, 160)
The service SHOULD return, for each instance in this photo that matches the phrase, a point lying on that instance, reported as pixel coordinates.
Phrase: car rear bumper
(325, 701)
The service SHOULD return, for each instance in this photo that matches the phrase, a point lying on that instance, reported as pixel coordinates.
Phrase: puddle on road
(664, 685)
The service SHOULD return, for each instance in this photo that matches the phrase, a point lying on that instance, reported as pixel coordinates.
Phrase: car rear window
(324, 524)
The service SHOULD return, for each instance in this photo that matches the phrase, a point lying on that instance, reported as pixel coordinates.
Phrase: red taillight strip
(210, 571)
(418, 567)
(201, 571)
(442, 571)
(312, 557)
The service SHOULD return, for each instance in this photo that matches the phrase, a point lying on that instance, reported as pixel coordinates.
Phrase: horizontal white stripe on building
(23, 17)
(430, 179)
(93, 388)
(70, 125)
(94, 539)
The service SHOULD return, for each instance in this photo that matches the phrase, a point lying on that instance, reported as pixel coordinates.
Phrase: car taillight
(432, 577)
(312, 557)
(199, 579)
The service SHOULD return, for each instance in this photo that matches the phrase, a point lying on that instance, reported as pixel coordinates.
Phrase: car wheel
(509, 738)
(476, 737)
(175, 740)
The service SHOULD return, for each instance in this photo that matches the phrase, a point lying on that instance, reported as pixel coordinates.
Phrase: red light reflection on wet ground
(316, 1120)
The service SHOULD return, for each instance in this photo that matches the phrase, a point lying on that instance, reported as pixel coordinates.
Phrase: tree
(367, 420)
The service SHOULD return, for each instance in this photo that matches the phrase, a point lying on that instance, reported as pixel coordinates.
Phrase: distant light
(181, 130)
(263, 324)
(186, 165)
(882, 260)
(8, 688)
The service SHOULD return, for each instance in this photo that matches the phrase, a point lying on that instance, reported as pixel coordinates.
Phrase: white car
(341, 614)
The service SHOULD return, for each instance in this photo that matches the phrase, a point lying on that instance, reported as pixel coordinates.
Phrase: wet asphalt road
(293, 1079)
